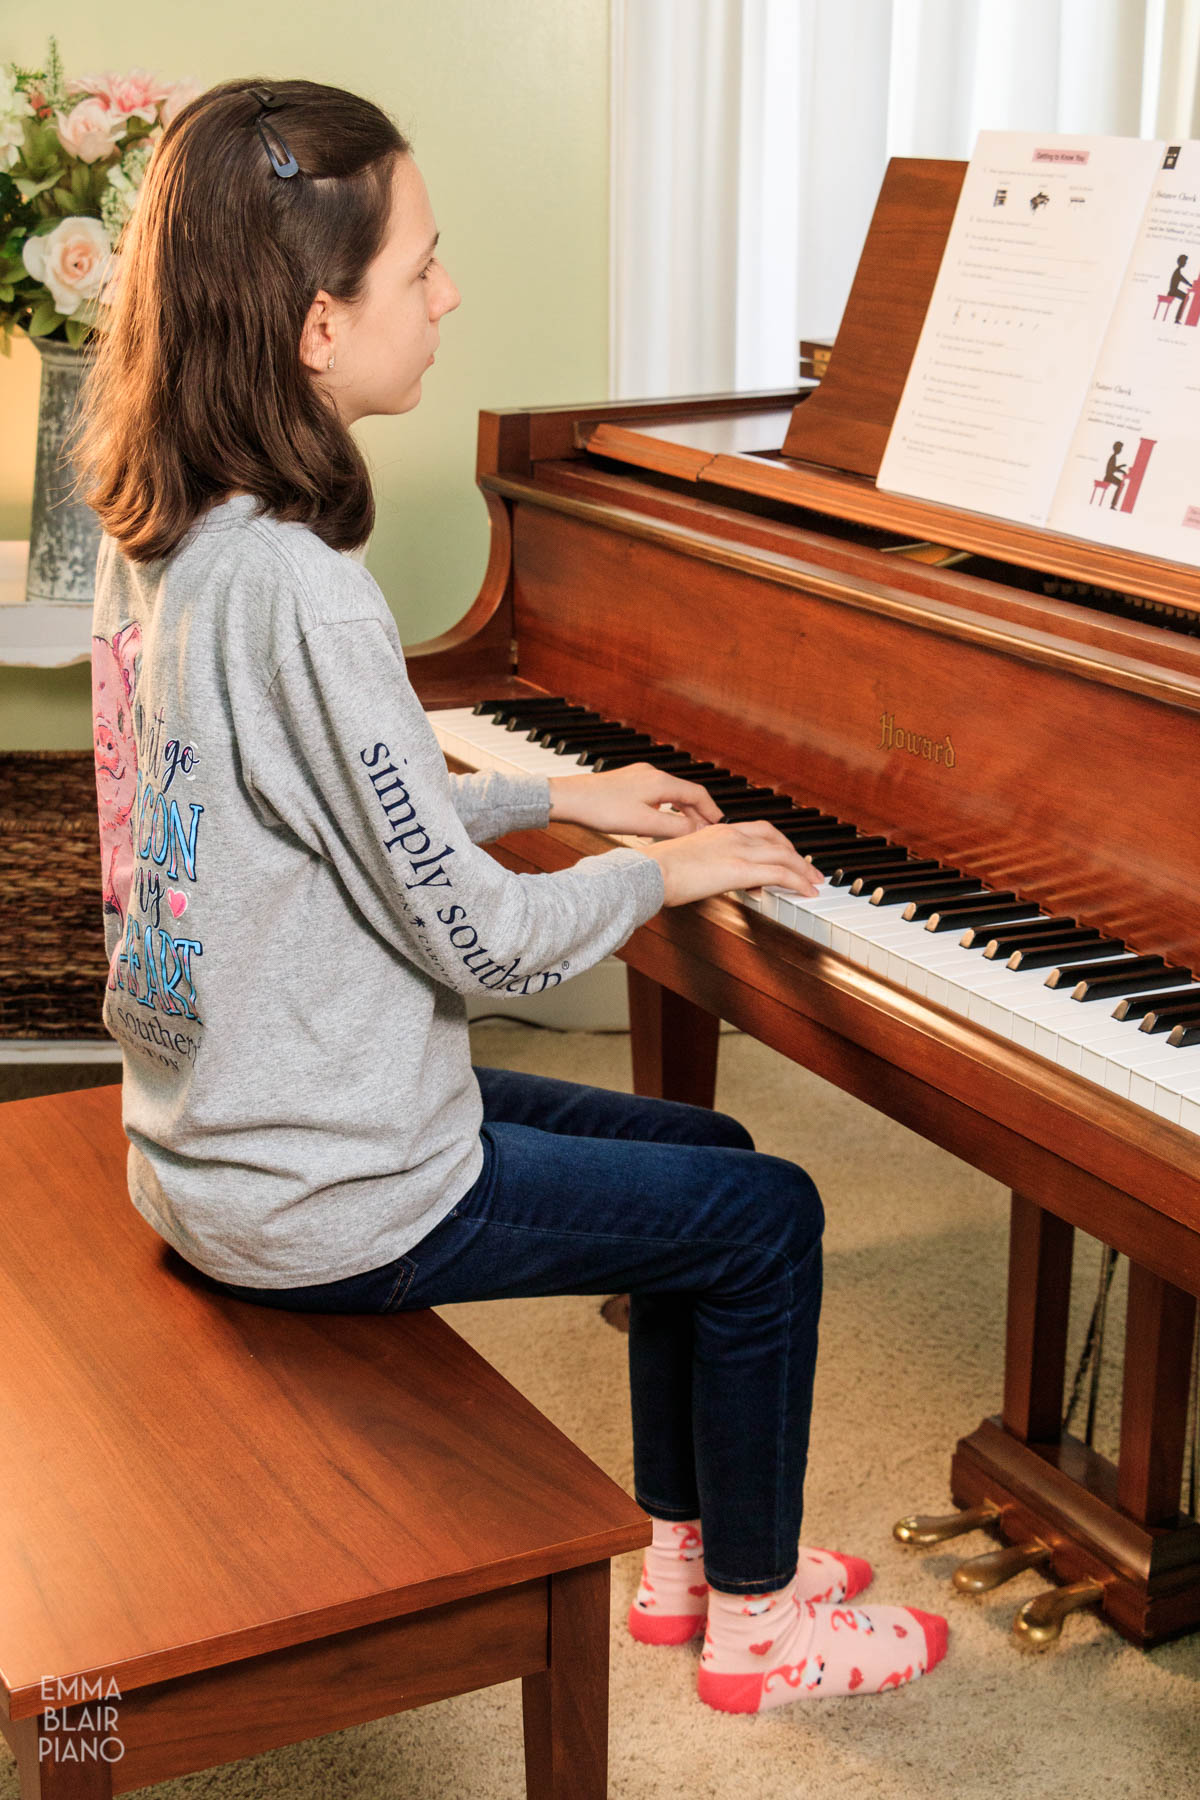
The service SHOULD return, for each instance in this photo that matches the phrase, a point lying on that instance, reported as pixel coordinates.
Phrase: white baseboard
(593, 1001)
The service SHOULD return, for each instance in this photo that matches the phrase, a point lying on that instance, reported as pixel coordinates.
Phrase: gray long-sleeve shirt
(296, 906)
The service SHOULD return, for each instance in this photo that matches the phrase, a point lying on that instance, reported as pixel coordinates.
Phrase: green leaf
(45, 317)
(6, 292)
(29, 189)
(77, 331)
(67, 204)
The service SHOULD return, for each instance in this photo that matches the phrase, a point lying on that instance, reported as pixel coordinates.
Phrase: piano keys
(871, 928)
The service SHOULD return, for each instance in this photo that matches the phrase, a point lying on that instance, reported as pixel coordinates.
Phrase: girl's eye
(425, 272)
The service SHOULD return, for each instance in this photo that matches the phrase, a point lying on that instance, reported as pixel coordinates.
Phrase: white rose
(72, 260)
(15, 108)
(91, 129)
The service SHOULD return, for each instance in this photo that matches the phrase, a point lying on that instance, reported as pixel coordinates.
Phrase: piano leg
(1118, 1526)
(673, 1043)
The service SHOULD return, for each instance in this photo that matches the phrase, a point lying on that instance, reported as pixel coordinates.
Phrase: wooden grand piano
(1016, 724)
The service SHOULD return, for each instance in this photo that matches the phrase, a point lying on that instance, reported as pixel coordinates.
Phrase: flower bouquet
(73, 156)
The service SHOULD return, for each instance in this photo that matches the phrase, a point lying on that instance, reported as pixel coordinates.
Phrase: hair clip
(284, 165)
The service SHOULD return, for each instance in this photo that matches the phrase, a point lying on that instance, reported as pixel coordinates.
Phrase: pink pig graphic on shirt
(113, 675)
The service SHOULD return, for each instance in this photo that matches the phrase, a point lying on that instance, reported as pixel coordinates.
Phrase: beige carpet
(911, 1356)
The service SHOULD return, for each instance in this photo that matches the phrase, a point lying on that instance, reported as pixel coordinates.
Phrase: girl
(296, 903)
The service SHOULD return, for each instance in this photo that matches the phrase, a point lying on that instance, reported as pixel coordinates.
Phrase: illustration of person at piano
(307, 903)
(1179, 289)
(1115, 472)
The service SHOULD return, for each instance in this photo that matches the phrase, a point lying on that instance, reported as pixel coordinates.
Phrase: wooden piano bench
(227, 1528)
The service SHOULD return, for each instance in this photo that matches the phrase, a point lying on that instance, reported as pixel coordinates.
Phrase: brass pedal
(923, 1529)
(980, 1574)
(1039, 1623)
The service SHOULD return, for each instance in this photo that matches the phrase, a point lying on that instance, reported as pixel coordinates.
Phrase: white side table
(38, 636)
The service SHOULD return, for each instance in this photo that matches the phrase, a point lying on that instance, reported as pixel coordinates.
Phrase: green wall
(506, 102)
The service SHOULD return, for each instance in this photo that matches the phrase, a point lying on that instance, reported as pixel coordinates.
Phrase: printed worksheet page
(1132, 474)
(1036, 256)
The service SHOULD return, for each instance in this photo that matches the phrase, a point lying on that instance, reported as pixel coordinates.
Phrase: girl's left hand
(626, 802)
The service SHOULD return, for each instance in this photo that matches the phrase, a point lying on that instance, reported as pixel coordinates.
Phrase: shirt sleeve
(490, 803)
(345, 758)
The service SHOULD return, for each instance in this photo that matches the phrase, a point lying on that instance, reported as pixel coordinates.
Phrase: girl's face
(383, 346)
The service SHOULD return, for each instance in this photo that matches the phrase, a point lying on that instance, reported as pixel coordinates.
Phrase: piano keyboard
(1127, 1024)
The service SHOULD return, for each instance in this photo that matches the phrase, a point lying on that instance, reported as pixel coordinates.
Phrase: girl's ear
(317, 337)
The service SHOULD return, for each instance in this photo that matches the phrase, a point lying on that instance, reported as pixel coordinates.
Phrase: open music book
(1056, 381)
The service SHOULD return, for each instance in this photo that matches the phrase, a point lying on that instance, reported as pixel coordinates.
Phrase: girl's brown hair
(197, 388)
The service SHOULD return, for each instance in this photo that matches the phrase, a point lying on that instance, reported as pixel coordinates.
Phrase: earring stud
(330, 364)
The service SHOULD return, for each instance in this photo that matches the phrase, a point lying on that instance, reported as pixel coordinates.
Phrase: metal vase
(65, 533)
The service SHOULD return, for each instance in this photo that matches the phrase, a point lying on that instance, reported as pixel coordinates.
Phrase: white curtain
(750, 138)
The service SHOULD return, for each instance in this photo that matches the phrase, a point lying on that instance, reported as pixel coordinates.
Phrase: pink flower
(91, 129)
(134, 95)
(178, 94)
(72, 260)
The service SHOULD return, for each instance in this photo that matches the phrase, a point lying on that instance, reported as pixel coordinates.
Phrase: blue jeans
(588, 1191)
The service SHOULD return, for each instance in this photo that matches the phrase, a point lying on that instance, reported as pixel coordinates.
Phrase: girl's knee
(728, 1134)
(802, 1216)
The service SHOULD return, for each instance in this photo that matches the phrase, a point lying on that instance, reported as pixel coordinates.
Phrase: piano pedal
(1039, 1623)
(924, 1529)
(980, 1574)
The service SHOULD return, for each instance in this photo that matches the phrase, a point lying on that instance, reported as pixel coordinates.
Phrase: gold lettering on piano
(897, 737)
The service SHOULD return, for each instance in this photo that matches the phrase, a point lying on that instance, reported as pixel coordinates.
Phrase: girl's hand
(626, 802)
(743, 856)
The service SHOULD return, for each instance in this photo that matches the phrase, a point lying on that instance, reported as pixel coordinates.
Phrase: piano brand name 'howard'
(896, 737)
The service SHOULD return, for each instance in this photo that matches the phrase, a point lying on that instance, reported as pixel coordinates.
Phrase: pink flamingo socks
(763, 1650)
(672, 1597)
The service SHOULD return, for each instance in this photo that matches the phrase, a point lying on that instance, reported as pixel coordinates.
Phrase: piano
(987, 736)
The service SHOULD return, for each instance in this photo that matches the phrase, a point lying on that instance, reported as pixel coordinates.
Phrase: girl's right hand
(720, 858)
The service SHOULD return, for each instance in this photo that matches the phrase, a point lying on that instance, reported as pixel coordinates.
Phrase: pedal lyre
(980, 1574)
(1039, 1622)
(923, 1529)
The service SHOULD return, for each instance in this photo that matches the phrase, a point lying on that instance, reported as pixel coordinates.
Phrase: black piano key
(959, 890)
(1011, 937)
(862, 851)
(1184, 1036)
(869, 879)
(736, 787)
(812, 815)
(821, 823)
(1066, 950)
(1103, 965)
(525, 715)
(541, 725)
(677, 762)
(896, 889)
(774, 806)
(847, 848)
(1138, 1005)
(617, 755)
(532, 700)
(593, 732)
(854, 868)
(990, 911)
(831, 833)
(834, 848)
(1108, 987)
(625, 740)
(671, 761)
(1164, 1017)
(549, 733)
